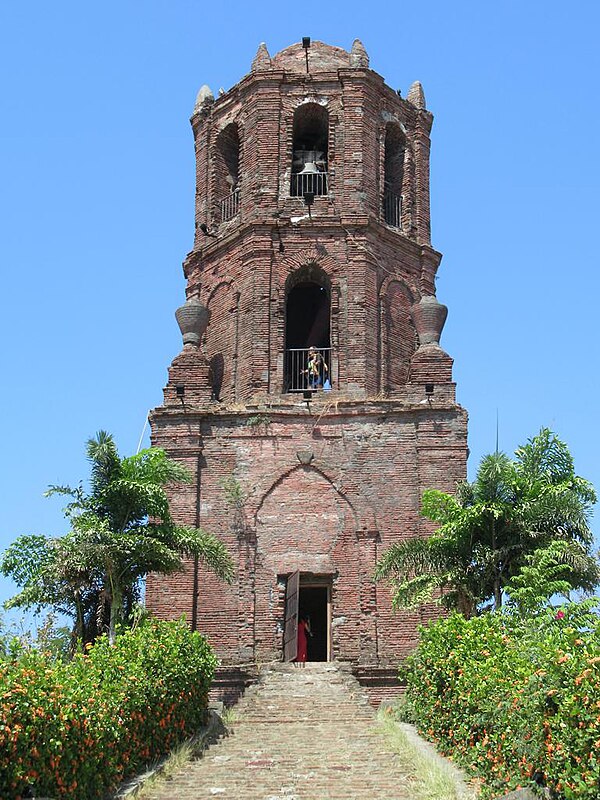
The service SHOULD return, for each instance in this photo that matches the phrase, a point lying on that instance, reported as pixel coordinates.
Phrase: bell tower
(312, 400)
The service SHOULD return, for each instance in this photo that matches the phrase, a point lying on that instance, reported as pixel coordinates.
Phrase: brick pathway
(298, 733)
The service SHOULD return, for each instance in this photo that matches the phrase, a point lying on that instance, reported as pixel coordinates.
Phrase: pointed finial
(204, 98)
(262, 59)
(416, 95)
(358, 55)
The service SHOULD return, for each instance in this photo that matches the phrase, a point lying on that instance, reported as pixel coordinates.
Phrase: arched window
(311, 142)
(227, 172)
(393, 175)
(307, 331)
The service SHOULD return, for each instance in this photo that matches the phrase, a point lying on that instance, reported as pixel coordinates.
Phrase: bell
(309, 168)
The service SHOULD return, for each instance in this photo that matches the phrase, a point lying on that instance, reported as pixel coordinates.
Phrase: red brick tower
(312, 231)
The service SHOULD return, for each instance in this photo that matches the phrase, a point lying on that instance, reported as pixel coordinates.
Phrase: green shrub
(76, 729)
(515, 701)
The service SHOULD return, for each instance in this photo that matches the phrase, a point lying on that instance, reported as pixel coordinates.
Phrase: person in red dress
(304, 632)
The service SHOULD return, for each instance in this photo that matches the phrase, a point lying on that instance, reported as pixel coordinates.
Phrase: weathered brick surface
(332, 516)
(306, 733)
(325, 489)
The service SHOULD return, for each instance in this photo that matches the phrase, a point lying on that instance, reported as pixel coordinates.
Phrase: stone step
(297, 734)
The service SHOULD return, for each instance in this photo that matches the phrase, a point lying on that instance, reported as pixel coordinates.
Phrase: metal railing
(392, 209)
(307, 368)
(308, 183)
(230, 206)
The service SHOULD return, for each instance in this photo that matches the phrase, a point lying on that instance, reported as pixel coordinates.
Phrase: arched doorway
(307, 331)
(310, 150)
(227, 172)
(393, 175)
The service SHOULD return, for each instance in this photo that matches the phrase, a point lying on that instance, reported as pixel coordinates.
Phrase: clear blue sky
(96, 209)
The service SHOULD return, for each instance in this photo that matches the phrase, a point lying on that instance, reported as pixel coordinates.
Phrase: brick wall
(325, 487)
(358, 490)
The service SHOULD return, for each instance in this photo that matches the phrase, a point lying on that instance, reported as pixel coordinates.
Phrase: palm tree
(514, 508)
(121, 529)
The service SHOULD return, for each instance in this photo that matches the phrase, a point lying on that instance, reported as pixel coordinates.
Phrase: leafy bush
(75, 729)
(515, 701)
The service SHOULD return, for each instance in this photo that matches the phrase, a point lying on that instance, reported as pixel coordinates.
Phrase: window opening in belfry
(227, 173)
(307, 336)
(310, 147)
(393, 175)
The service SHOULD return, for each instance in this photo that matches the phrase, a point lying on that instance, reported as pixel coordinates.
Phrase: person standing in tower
(316, 368)
(304, 632)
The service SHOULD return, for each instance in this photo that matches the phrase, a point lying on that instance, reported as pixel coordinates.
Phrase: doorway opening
(307, 316)
(309, 163)
(393, 175)
(314, 605)
(309, 597)
(307, 325)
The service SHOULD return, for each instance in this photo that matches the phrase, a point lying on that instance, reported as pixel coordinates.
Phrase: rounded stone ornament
(192, 318)
(429, 316)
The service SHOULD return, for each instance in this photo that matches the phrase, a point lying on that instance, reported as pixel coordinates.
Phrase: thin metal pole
(195, 582)
(497, 430)
(143, 432)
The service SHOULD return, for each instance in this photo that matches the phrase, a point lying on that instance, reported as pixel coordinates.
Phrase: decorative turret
(192, 318)
(189, 374)
(204, 99)
(429, 317)
(416, 95)
(262, 59)
(359, 57)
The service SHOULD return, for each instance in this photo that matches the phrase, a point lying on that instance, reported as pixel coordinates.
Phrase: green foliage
(259, 421)
(515, 700)
(545, 573)
(74, 729)
(234, 494)
(120, 530)
(490, 528)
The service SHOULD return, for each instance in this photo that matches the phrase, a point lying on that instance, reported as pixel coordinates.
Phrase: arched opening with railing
(307, 331)
(309, 151)
(227, 172)
(395, 145)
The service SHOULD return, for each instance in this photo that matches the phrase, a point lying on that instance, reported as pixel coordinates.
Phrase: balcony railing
(308, 183)
(304, 371)
(392, 209)
(230, 206)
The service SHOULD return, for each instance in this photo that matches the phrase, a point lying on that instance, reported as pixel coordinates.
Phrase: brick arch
(221, 339)
(389, 121)
(413, 296)
(314, 254)
(225, 165)
(227, 284)
(310, 99)
(329, 269)
(323, 264)
(397, 332)
(311, 271)
(305, 523)
(305, 469)
(388, 117)
(318, 317)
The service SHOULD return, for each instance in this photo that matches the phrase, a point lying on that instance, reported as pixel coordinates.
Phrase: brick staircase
(297, 733)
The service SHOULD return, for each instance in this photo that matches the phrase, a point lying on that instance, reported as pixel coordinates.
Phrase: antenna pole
(143, 432)
(497, 429)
